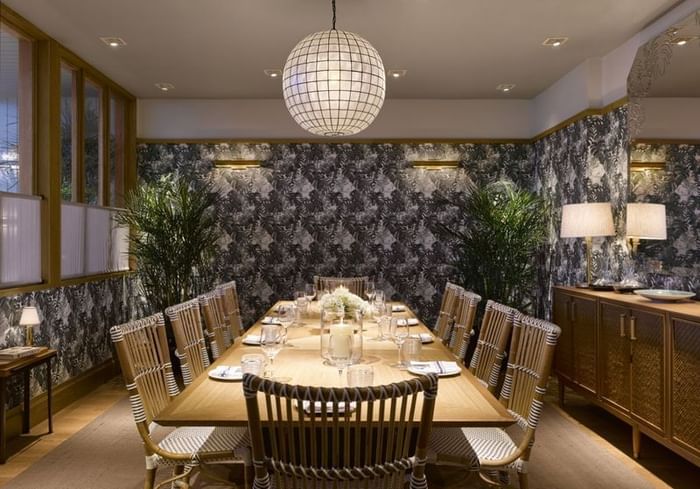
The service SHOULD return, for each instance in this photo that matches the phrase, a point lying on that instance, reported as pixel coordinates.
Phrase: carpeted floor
(107, 454)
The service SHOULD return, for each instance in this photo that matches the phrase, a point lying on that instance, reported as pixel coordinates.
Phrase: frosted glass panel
(98, 239)
(120, 246)
(72, 239)
(20, 240)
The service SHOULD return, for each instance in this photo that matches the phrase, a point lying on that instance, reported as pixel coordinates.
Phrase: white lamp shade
(646, 221)
(30, 317)
(333, 83)
(587, 220)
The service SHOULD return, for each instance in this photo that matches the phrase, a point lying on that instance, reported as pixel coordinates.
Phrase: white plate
(441, 368)
(226, 372)
(251, 339)
(665, 294)
(409, 321)
(398, 308)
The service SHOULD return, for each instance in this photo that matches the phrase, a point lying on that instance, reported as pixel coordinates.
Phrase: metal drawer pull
(622, 325)
(633, 328)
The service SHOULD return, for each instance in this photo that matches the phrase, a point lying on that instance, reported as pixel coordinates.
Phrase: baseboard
(63, 395)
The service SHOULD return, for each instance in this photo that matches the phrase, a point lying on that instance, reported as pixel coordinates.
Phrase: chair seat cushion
(206, 443)
(472, 445)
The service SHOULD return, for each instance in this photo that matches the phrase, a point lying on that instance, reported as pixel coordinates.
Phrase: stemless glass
(379, 296)
(399, 331)
(271, 341)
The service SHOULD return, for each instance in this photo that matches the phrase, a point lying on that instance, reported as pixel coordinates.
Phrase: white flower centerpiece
(342, 299)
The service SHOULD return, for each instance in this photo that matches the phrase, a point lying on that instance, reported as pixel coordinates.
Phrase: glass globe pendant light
(334, 83)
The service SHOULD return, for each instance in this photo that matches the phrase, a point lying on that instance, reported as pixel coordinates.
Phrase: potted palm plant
(504, 228)
(173, 238)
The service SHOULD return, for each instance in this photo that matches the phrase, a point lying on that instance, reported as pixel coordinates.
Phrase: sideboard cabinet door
(564, 353)
(583, 315)
(685, 384)
(646, 335)
(614, 356)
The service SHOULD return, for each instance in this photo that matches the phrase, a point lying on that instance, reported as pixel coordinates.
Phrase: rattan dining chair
(446, 316)
(142, 350)
(365, 436)
(356, 285)
(215, 321)
(463, 325)
(530, 361)
(487, 360)
(186, 323)
(232, 310)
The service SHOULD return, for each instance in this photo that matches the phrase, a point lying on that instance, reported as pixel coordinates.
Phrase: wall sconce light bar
(435, 164)
(647, 165)
(237, 164)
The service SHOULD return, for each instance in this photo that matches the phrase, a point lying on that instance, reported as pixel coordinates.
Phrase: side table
(23, 366)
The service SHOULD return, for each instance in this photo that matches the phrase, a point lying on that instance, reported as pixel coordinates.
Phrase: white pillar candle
(340, 346)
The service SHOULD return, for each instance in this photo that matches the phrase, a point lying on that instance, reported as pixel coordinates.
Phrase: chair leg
(150, 479)
(522, 480)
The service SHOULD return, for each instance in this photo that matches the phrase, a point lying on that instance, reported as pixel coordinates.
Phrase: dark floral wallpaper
(583, 162)
(338, 209)
(676, 260)
(75, 321)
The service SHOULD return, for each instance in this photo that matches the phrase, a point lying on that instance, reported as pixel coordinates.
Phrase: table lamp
(645, 221)
(29, 318)
(587, 220)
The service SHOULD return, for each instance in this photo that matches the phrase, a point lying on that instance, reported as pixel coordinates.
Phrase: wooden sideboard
(636, 358)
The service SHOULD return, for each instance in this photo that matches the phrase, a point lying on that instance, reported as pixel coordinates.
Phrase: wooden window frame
(47, 58)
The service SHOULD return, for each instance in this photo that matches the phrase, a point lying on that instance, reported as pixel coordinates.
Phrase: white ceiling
(452, 49)
(682, 75)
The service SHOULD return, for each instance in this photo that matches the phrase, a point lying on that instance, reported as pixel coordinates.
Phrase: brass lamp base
(29, 336)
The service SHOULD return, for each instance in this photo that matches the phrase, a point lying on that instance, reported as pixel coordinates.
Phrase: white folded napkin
(436, 367)
(318, 407)
(426, 338)
(398, 308)
(270, 320)
(227, 372)
(251, 339)
(409, 321)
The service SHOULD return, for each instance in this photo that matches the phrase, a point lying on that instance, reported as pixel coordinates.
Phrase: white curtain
(20, 239)
(72, 239)
(91, 241)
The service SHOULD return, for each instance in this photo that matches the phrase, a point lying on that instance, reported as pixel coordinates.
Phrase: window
(92, 144)
(117, 132)
(69, 132)
(16, 89)
(20, 212)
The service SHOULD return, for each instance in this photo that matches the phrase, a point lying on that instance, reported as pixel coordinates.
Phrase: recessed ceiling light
(505, 87)
(555, 42)
(396, 73)
(165, 87)
(113, 42)
(273, 73)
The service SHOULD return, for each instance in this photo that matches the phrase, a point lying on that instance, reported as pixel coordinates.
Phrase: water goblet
(286, 315)
(382, 314)
(310, 291)
(271, 342)
(379, 296)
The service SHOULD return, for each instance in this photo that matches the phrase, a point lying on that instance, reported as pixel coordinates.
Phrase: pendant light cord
(333, 2)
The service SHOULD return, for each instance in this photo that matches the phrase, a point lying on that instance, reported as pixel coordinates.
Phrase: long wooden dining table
(461, 400)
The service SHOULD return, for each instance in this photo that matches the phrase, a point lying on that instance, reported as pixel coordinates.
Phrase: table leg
(26, 414)
(3, 428)
(49, 396)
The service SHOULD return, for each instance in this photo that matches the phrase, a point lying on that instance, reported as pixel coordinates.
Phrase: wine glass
(310, 291)
(271, 342)
(370, 290)
(379, 296)
(340, 351)
(399, 331)
(285, 315)
(382, 314)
